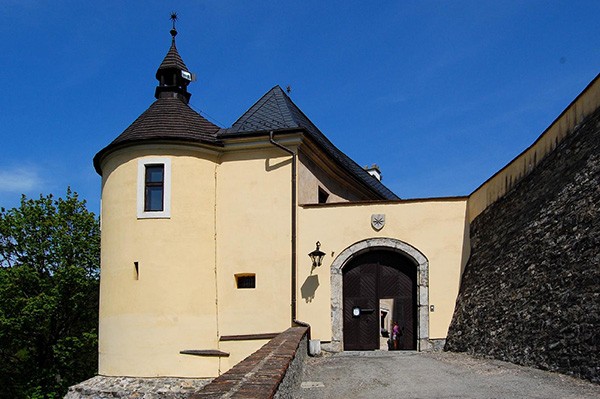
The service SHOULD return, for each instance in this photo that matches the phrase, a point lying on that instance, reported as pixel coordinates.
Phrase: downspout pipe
(293, 154)
(294, 229)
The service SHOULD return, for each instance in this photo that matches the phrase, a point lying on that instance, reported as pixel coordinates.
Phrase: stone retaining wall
(103, 387)
(274, 371)
(531, 289)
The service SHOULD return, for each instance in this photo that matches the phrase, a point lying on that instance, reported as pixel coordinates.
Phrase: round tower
(158, 284)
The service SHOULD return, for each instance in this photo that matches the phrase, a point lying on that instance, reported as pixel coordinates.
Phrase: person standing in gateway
(396, 334)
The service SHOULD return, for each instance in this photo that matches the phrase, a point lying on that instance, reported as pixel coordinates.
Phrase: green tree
(49, 280)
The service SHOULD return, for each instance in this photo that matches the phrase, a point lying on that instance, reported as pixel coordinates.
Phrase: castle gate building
(207, 231)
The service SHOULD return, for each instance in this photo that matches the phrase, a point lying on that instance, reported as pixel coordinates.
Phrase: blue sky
(440, 94)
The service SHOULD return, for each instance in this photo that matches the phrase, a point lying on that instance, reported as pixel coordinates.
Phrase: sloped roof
(168, 118)
(275, 111)
(172, 61)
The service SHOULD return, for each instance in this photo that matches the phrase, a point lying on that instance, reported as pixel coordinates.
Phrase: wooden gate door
(361, 308)
(369, 278)
(397, 280)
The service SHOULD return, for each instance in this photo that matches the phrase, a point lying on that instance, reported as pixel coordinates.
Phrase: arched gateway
(369, 276)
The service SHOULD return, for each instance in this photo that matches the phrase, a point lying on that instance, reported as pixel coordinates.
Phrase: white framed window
(154, 188)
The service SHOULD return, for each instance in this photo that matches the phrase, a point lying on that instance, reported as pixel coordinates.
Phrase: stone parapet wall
(531, 289)
(506, 178)
(273, 371)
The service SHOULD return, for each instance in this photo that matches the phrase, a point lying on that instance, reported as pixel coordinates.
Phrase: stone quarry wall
(530, 292)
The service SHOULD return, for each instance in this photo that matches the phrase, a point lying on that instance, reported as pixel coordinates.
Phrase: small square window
(245, 280)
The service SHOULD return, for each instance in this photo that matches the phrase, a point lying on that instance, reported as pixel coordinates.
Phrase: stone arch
(373, 244)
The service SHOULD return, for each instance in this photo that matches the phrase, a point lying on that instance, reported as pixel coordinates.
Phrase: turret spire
(173, 30)
(172, 74)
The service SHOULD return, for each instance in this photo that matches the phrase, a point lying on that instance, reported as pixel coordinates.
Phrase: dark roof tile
(172, 61)
(275, 110)
(170, 118)
(166, 119)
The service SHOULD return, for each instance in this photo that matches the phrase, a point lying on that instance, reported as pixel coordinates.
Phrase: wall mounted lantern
(317, 255)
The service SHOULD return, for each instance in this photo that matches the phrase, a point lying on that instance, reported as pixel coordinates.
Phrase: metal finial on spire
(174, 19)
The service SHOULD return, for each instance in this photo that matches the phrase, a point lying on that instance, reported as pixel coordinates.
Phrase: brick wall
(531, 289)
(271, 372)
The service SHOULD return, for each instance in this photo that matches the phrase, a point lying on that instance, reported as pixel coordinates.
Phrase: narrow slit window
(154, 188)
(245, 281)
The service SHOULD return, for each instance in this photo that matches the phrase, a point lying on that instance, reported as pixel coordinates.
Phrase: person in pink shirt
(396, 333)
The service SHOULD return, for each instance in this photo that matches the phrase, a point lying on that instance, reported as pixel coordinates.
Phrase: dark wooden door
(369, 278)
(360, 295)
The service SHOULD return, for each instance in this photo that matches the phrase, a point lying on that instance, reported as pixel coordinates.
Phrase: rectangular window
(245, 280)
(154, 188)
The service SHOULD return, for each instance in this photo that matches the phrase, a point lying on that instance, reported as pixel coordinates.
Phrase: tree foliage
(49, 280)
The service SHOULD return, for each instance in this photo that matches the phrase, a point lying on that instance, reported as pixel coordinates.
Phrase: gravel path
(432, 375)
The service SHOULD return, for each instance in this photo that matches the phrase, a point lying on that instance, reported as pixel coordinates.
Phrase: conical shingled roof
(169, 119)
(172, 61)
(275, 111)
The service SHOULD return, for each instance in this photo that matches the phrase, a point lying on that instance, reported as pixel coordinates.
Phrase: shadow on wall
(270, 165)
(309, 288)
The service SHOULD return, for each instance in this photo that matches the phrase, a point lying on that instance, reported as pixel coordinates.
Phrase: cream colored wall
(239, 350)
(496, 186)
(311, 177)
(231, 214)
(435, 227)
(145, 323)
(253, 236)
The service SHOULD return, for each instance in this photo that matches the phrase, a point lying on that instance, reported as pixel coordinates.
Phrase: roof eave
(103, 153)
(307, 133)
(224, 134)
(356, 178)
